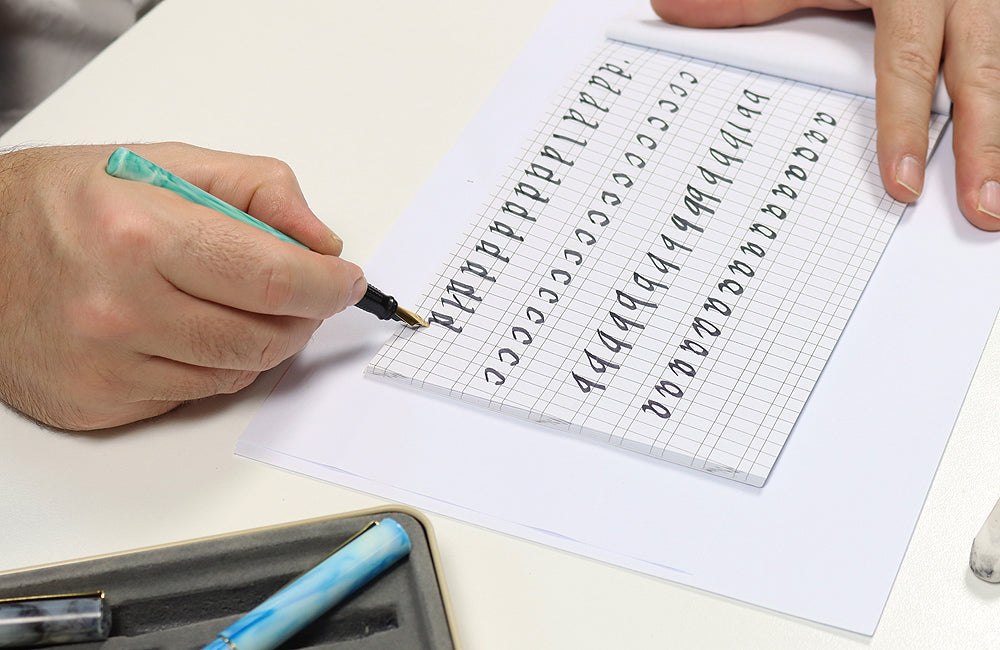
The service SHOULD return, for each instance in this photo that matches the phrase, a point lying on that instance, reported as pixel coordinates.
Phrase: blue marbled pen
(303, 600)
(131, 166)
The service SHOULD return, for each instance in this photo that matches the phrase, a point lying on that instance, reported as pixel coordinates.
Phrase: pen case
(179, 596)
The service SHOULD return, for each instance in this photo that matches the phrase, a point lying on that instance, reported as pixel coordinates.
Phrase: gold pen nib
(410, 318)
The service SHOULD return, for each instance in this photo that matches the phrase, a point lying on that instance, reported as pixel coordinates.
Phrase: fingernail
(358, 291)
(989, 199)
(910, 175)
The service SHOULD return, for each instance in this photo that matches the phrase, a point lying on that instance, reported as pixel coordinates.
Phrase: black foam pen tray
(180, 596)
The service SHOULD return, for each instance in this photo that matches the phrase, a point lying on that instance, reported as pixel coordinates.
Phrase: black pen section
(377, 303)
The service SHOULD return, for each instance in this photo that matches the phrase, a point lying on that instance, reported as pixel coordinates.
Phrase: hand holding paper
(910, 40)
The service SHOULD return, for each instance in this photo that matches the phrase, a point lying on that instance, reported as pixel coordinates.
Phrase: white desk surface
(363, 99)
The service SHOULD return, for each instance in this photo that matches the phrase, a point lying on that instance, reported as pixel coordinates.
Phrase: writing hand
(910, 38)
(119, 300)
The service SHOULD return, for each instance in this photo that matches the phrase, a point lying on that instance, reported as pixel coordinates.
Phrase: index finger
(971, 65)
(264, 187)
(213, 257)
(908, 41)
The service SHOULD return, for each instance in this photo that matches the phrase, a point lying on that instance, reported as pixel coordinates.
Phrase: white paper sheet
(667, 266)
(822, 540)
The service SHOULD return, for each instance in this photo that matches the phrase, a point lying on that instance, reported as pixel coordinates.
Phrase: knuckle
(279, 287)
(976, 83)
(276, 170)
(913, 65)
(121, 229)
(100, 316)
(275, 183)
(232, 381)
(274, 350)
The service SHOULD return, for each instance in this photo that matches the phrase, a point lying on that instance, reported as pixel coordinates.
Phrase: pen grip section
(379, 304)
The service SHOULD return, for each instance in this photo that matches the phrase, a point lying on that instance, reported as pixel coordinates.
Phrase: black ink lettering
(550, 152)
(599, 364)
(514, 331)
(746, 112)
(585, 237)
(610, 198)
(694, 347)
(559, 273)
(445, 320)
(669, 389)
(646, 283)
(454, 301)
(784, 189)
(653, 120)
(754, 97)
(712, 177)
(530, 191)
(714, 304)
(625, 323)
(732, 286)
(646, 141)
(684, 225)
(500, 379)
(573, 256)
(774, 210)
(634, 160)
(796, 172)
(629, 302)
(680, 367)
(513, 355)
(491, 249)
(662, 265)
(555, 297)
(702, 327)
(622, 179)
(577, 116)
(601, 82)
(588, 99)
(654, 407)
(517, 210)
(557, 136)
(586, 385)
(813, 134)
(695, 199)
(478, 270)
(612, 343)
(807, 153)
(614, 69)
(745, 129)
(602, 218)
(723, 158)
(825, 118)
(732, 140)
(544, 173)
(505, 230)
(672, 245)
(673, 107)
(739, 266)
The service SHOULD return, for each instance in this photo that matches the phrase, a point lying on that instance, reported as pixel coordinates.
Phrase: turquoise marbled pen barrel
(302, 601)
(131, 166)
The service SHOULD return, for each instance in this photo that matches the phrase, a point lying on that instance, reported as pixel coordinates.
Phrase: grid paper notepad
(667, 266)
